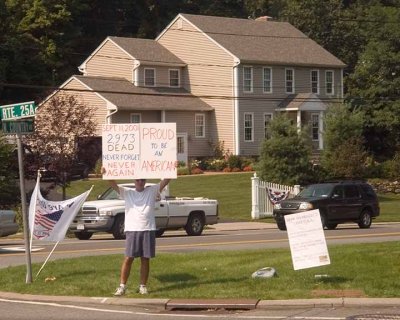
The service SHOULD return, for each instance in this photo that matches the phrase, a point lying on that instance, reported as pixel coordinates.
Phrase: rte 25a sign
(17, 111)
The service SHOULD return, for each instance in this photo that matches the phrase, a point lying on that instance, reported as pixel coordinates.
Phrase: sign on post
(307, 240)
(139, 151)
(17, 111)
(21, 127)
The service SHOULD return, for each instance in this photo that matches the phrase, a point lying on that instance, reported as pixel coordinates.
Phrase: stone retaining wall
(386, 186)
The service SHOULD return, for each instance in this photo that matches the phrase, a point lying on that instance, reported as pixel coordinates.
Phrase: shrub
(183, 171)
(236, 170)
(197, 171)
(234, 161)
(248, 168)
(216, 164)
(391, 168)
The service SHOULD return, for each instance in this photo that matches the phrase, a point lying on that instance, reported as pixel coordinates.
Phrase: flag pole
(47, 259)
(34, 213)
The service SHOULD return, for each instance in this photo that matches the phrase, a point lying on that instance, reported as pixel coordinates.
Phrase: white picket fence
(261, 206)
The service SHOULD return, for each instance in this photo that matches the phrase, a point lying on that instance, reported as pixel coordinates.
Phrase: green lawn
(233, 191)
(371, 269)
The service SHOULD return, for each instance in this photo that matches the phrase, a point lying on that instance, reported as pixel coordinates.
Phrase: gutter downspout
(109, 114)
(135, 70)
(236, 106)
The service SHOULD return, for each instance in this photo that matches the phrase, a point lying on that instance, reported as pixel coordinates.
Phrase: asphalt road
(224, 236)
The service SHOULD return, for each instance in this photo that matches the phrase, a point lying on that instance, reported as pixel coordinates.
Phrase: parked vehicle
(107, 214)
(8, 223)
(338, 202)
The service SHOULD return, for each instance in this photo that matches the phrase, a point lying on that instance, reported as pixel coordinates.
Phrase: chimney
(264, 18)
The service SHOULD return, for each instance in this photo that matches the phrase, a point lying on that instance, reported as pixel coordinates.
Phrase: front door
(181, 147)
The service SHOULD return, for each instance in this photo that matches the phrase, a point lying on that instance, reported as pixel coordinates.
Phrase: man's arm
(164, 183)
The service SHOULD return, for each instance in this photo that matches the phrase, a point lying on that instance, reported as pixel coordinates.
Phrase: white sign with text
(139, 151)
(307, 240)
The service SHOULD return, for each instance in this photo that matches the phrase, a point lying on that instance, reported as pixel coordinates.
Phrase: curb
(162, 304)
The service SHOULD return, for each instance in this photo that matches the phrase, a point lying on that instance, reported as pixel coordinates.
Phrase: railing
(261, 204)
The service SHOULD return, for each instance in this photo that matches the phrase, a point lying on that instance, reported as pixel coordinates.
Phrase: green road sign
(18, 111)
(14, 127)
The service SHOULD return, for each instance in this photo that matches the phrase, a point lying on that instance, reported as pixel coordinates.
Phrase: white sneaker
(120, 291)
(143, 289)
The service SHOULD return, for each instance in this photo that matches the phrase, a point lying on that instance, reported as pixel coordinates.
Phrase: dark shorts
(140, 244)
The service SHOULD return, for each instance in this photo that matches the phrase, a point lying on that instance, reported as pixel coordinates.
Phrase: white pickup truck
(107, 214)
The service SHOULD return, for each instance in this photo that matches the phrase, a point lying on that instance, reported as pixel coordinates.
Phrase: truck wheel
(83, 235)
(195, 224)
(159, 232)
(118, 227)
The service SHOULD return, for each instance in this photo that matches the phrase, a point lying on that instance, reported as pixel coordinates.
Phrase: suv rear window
(368, 191)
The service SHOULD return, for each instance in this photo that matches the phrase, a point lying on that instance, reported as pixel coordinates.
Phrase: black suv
(338, 202)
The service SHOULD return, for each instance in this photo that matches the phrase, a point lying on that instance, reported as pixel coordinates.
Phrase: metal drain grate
(375, 317)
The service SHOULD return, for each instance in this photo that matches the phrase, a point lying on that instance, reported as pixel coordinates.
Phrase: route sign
(18, 111)
(14, 127)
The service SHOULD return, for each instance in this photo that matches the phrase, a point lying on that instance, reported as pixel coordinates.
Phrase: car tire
(281, 226)
(159, 232)
(365, 219)
(331, 226)
(118, 227)
(195, 224)
(323, 221)
(83, 235)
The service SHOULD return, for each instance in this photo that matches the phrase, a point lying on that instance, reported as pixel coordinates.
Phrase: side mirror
(98, 197)
(335, 196)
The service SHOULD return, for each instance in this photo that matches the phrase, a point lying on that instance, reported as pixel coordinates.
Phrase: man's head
(139, 184)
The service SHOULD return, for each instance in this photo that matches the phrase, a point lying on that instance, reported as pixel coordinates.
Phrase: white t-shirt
(139, 208)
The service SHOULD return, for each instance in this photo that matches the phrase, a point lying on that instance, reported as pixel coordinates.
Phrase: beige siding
(145, 116)
(185, 121)
(91, 99)
(110, 61)
(209, 72)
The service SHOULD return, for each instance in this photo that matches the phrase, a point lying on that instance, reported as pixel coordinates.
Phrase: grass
(371, 269)
(233, 192)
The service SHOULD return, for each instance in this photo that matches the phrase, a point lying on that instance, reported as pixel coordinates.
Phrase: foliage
(344, 155)
(391, 168)
(285, 158)
(59, 124)
(234, 161)
(9, 192)
(376, 79)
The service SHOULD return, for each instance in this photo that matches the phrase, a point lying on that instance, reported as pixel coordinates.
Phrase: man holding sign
(133, 151)
(140, 229)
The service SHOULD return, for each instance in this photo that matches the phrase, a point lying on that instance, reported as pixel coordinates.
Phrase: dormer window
(174, 80)
(149, 77)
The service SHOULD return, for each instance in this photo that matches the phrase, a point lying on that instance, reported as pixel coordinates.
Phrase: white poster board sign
(307, 240)
(139, 151)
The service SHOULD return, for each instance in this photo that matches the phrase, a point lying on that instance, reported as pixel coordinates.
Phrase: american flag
(276, 196)
(49, 220)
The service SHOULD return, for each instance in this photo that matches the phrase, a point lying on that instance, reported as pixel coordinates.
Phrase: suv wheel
(331, 226)
(281, 226)
(365, 220)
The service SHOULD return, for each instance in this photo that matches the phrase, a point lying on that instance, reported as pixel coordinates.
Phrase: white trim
(236, 124)
(293, 83)
(271, 118)
(318, 80)
(333, 83)
(144, 77)
(135, 114)
(203, 125)
(321, 130)
(252, 79)
(235, 58)
(270, 79)
(252, 126)
(179, 77)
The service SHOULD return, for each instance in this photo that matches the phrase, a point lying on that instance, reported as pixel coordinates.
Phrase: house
(220, 79)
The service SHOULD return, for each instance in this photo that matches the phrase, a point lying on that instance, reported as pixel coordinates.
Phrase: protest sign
(307, 240)
(139, 150)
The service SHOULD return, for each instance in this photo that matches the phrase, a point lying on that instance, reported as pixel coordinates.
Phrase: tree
(59, 124)
(374, 85)
(285, 158)
(9, 194)
(344, 155)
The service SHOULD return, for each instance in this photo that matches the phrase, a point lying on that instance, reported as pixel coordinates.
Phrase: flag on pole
(50, 220)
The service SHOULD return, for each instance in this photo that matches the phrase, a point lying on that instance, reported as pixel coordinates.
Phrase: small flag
(276, 196)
